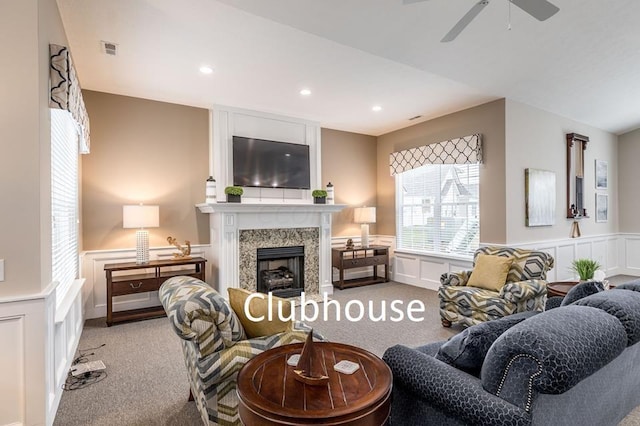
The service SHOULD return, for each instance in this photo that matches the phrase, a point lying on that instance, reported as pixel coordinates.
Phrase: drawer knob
(135, 286)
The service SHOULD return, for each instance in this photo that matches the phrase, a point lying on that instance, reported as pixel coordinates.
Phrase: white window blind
(438, 209)
(64, 199)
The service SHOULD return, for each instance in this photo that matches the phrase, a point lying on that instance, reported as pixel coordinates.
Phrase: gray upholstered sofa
(577, 364)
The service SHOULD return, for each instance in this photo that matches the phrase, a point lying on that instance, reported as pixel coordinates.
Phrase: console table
(375, 256)
(120, 283)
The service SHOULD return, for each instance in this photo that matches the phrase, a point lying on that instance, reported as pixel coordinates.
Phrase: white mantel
(269, 208)
(227, 219)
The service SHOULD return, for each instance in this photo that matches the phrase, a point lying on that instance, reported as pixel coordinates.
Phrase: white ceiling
(583, 63)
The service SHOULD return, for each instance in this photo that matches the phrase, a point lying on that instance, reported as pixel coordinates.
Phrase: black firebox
(280, 270)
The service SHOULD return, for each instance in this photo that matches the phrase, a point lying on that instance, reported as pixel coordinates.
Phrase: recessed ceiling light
(305, 92)
(376, 108)
(206, 70)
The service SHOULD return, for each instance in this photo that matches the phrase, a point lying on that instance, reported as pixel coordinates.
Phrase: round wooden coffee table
(269, 394)
(560, 288)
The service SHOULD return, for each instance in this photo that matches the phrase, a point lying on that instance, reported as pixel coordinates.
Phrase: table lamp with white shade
(141, 217)
(364, 216)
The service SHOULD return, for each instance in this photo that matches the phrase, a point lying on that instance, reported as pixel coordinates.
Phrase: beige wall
(537, 139)
(144, 151)
(629, 176)
(349, 163)
(487, 119)
(28, 26)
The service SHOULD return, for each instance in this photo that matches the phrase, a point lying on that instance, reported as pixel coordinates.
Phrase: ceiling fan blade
(539, 9)
(412, 1)
(466, 20)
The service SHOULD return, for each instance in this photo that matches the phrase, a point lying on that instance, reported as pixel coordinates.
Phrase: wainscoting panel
(12, 370)
(605, 249)
(423, 270)
(584, 250)
(614, 256)
(95, 293)
(632, 253)
(407, 269)
(565, 254)
(430, 272)
(617, 253)
(39, 334)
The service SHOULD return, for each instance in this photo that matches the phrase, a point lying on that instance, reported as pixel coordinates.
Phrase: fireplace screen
(281, 270)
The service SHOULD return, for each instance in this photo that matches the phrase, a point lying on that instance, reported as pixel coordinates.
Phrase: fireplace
(280, 270)
(238, 230)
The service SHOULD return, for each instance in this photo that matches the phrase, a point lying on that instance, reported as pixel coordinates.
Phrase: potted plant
(585, 268)
(234, 194)
(319, 196)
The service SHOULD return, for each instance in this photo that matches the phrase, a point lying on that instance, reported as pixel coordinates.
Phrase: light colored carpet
(147, 380)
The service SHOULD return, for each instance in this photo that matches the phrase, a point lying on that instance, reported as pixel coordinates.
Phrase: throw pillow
(466, 351)
(582, 290)
(490, 272)
(259, 308)
(633, 286)
(622, 304)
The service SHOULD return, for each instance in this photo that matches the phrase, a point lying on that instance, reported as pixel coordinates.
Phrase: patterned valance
(65, 92)
(464, 150)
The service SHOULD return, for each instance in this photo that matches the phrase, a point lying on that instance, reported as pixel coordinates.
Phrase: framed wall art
(540, 197)
(602, 178)
(602, 207)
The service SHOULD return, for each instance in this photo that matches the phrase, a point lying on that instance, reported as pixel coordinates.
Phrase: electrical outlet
(1, 269)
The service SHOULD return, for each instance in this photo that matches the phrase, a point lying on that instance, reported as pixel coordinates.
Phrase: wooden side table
(124, 284)
(560, 288)
(374, 256)
(269, 395)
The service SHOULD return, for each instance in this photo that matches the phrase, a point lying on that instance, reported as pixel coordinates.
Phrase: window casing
(438, 209)
(64, 199)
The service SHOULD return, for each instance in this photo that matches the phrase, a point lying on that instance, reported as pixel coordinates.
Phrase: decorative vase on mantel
(210, 194)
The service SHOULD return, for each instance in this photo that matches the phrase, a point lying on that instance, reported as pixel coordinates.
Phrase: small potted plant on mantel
(319, 196)
(234, 194)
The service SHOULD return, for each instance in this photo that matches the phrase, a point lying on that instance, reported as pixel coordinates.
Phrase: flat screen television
(269, 164)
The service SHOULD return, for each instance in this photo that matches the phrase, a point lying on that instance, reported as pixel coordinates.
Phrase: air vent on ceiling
(109, 48)
(415, 118)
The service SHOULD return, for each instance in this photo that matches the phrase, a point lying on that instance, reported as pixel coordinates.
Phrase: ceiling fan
(539, 9)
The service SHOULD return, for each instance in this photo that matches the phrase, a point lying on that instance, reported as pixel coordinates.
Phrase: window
(438, 209)
(64, 199)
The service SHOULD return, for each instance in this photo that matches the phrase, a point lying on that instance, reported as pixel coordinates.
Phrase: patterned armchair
(214, 344)
(525, 289)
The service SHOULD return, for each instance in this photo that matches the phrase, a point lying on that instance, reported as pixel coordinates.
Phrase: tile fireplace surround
(251, 240)
(238, 229)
